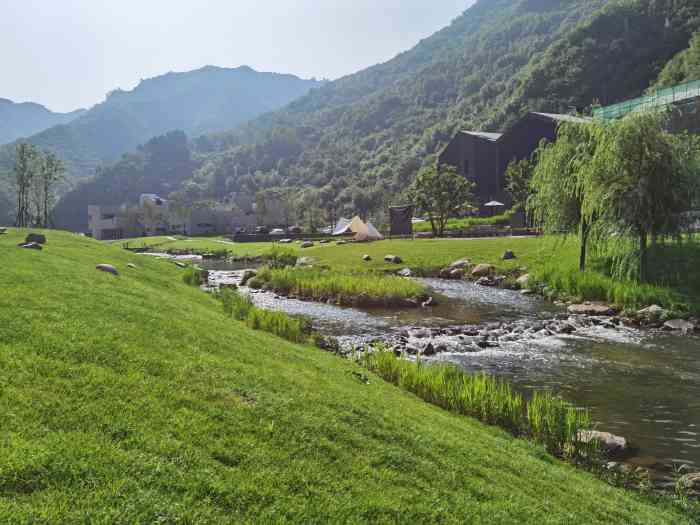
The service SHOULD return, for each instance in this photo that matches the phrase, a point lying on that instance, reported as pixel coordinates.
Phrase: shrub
(278, 257)
(195, 276)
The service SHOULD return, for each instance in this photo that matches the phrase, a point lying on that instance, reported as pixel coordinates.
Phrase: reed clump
(545, 418)
(350, 289)
(241, 308)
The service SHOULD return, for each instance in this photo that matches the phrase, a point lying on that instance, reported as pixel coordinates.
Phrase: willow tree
(560, 181)
(640, 182)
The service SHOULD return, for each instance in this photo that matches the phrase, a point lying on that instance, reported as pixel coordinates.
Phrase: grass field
(137, 399)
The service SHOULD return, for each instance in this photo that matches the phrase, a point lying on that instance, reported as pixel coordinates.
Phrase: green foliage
(684, 67)
(465, 223)
(518, 177)
(278, 257)
(344, 288)
(194, 276)
(441, 193)
(545, 418)
(241, 308)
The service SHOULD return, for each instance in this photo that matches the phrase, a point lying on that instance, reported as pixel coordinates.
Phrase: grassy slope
(133, 399)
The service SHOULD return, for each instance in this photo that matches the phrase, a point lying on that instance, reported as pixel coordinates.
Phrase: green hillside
(210, 99)
(133, 399)
(24, 119)
(361, 139)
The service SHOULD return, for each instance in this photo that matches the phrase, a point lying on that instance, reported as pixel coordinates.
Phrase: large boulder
(610, 444)
(341, 243)
(286, 241)
(35, 237)
(107, 268)
(366, 258)
(394, 259)
(508, 256)
(591, 309)
(483, 270)
(307, 244)
(406, 272)
(651, 313)
(690, 484)
(457, 273)
(679, 325)
(3, 231)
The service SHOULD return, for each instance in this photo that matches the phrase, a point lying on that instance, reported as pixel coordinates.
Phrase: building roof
(493, 137)
(562, 118)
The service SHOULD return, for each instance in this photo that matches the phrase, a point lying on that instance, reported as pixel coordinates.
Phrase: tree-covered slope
(362, 138)
(207, 100)
(135, 399)
(19, 120)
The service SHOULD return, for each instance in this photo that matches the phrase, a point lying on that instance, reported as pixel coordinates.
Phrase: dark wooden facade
(483, 158)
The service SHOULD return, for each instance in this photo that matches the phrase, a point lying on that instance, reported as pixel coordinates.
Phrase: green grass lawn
(195, 244)
(136, 399)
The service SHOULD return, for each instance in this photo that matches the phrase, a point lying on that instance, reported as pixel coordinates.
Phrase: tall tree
(559, 183)
(642, 181)
(24, 171)
(50, 174)
(441, 193)
(518, 177)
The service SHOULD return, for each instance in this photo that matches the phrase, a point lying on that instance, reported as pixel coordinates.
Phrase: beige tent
(362, 231)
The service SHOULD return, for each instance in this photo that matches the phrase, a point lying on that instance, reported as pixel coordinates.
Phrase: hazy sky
(67, 54)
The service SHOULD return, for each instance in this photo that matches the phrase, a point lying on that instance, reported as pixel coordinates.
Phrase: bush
(278, 257)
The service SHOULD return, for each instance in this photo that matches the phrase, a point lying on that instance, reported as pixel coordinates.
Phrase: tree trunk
(643, 256)
(585, 230)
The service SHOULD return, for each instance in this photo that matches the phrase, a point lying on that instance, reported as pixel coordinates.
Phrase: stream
(642, 385)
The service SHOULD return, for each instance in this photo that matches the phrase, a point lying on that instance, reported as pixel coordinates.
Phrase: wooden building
(484, 157)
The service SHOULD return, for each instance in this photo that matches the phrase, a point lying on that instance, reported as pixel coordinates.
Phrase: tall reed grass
(544, 418)
(194, 276)
(366, 289)
(241, 308)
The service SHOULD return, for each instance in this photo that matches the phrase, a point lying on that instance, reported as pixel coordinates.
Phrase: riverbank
(136, 398)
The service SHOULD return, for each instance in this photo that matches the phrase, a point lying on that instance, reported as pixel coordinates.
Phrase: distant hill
(208, 100)
(19, 120)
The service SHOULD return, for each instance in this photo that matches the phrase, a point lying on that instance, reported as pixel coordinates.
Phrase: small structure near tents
(363, 231)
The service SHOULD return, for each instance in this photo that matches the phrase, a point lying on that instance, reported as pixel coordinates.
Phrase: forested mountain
(207, 100)
(27, 118)
(159, 166)
(361, 139)
(356, 143)
(685, 66)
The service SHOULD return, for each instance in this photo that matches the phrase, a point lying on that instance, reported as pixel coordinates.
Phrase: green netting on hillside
(663, 97)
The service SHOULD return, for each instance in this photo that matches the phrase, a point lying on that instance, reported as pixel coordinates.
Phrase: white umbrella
(493, 205)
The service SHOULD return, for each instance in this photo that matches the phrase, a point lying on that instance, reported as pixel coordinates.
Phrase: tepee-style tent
(362, 231)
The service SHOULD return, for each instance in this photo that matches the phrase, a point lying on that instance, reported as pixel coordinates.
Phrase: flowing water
(642, 385)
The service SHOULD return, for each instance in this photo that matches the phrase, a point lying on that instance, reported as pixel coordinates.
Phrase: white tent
(362, 231)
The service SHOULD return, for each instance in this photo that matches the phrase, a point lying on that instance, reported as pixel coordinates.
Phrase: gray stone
(3, 231)
(483, 270)
(527, 292)
(31, 246)
(394, 259)
(35, 237)
(429, 302)
(341, 243)
(508, 256)
(679, 325)
(180, 265)
(324, 241)
(307, 244)
(306, 261)
(366, 258)
(457, 273)
(486, 281)
(286, 241)
(524, 280)
(690, 483)
(610, 444)
(406, 272)
(652, 313)
(247, 276)
(462, 264)
(108, 268)
(131, 265)
(591, 309)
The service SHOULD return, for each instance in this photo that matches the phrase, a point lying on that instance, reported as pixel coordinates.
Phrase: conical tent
(373, 233)
(342, 227)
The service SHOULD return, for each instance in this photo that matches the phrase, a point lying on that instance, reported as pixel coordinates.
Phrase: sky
(68, 54)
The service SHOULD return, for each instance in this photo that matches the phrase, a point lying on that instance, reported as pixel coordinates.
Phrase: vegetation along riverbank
(126, 386)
